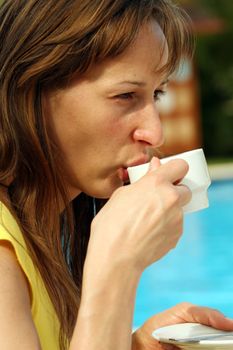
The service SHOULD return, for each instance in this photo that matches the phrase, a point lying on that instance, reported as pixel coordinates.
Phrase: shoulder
(10, 270)
(13, 249)
(27, 300)
(15, 307)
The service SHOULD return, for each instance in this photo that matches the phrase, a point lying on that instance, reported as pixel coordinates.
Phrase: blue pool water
(200, 268)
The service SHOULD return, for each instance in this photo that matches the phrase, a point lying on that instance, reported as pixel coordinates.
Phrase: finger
(174, 170)
(211, 317)
(169, 347)
(200, 314)
(185, 194)
(154, 164)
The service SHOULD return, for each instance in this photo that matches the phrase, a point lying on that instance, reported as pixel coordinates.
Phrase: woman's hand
(138, 225)
(143, 221)
(181, 313)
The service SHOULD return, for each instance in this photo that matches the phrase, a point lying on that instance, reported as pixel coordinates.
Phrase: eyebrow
(132, 82)
(139, 83)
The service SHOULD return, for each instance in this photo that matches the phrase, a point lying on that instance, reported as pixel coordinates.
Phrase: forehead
(145, 56)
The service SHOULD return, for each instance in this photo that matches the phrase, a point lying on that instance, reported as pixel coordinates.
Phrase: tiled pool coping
(221, 171)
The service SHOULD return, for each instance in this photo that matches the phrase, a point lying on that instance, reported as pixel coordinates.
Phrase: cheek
(118, 130)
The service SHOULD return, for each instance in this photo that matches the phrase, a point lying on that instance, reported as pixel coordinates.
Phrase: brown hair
(42, 44)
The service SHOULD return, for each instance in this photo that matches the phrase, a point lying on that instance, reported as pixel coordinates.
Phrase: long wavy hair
(43, 43)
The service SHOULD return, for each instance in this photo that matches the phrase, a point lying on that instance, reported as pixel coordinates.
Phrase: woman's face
(108, 119)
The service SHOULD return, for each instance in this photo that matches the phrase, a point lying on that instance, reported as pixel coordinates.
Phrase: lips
(139, 161)
(123, 175)
(123, 172)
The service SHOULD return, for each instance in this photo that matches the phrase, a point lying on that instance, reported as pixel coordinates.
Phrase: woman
(80, 81)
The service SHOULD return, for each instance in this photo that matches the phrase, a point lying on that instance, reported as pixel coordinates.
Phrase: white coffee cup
(197, 178)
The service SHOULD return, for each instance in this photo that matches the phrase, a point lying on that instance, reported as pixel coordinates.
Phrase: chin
(105, 189)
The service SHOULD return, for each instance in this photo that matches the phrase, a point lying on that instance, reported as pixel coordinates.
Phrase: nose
(149, 129)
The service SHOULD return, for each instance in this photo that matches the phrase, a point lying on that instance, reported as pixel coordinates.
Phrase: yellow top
(43, 313)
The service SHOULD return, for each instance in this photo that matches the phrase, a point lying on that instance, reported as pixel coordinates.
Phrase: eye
(125, 96)
(158, 94)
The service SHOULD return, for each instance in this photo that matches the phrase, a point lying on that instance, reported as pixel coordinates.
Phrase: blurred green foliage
(214, 55)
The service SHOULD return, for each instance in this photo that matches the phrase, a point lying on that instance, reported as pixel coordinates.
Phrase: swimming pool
(200, 269)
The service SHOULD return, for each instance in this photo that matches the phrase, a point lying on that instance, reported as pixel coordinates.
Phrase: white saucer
(194, 336)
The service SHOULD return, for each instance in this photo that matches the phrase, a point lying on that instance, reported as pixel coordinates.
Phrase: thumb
(154, 164)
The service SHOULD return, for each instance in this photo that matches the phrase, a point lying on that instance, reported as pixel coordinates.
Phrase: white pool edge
(221, 171)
